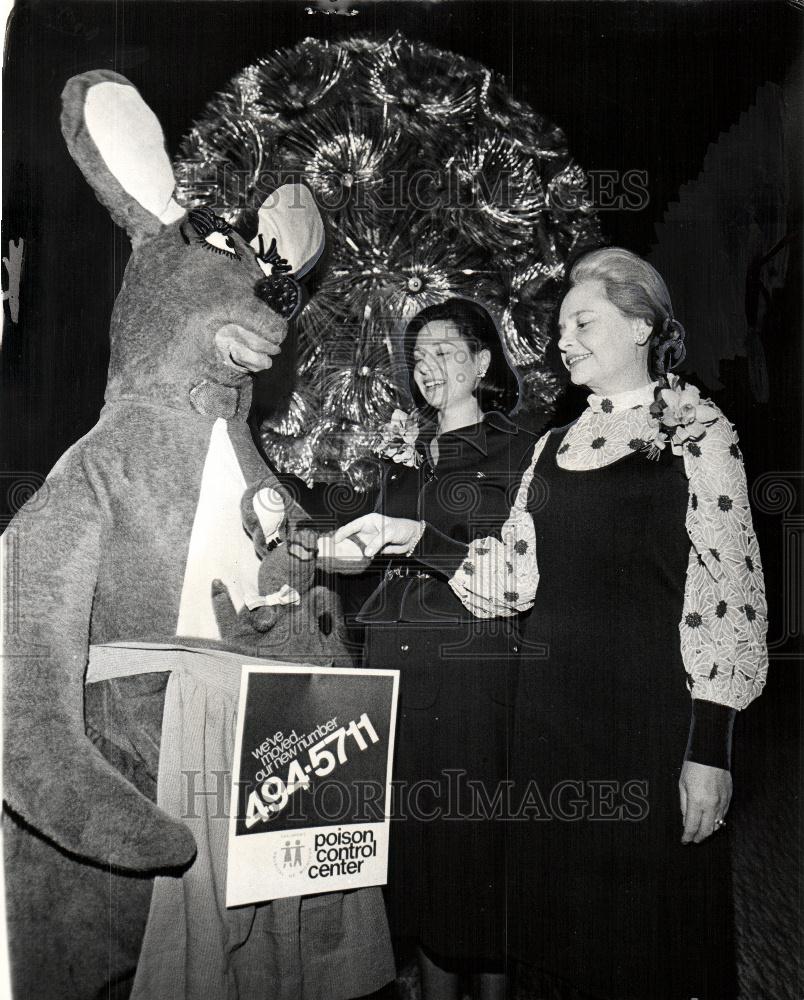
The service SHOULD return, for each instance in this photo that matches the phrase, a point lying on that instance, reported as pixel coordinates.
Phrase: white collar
(615, 402)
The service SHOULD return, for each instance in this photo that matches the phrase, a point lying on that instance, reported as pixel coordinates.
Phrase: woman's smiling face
(600, 346)
(445, 370)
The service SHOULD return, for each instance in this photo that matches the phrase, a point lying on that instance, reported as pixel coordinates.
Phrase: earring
(641, 338)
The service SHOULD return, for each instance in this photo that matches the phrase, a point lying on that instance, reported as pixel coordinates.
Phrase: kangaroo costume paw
(90, 810)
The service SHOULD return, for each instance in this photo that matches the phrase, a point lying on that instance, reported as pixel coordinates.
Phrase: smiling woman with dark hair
(453, 478)
(498, 390)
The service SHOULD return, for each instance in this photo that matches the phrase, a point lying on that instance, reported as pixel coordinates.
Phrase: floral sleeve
(724, 621)
(498, 575)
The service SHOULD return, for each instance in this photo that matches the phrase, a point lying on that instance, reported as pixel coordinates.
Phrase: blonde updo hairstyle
(638, 291)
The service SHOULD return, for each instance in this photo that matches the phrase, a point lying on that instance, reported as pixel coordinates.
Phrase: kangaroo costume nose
(282, 293)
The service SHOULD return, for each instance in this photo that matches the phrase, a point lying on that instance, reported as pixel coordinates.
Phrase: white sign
(311, 789)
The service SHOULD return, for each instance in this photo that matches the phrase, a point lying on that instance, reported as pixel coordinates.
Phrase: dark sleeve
(439, 552)
(444, 553)
(710, 734)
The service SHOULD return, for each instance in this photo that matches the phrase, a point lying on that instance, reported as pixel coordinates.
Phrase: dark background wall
(645, 86)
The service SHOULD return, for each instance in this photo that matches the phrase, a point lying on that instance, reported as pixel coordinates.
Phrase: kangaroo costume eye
(222, 243)
(214, 233)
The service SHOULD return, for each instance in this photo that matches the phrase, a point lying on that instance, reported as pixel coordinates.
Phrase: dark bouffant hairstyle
(499, 388)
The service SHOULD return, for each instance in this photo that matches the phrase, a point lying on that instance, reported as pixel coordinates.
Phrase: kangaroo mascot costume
(114, 570)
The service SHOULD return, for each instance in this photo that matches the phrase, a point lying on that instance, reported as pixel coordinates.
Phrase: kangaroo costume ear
(290, 229)
(118, 143)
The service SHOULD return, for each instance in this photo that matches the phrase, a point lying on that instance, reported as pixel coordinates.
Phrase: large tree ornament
(434, 182)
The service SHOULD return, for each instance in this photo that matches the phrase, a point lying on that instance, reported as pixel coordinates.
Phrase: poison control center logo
(292, 857)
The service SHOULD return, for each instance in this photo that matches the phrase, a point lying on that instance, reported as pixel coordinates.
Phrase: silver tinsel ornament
(434, 182)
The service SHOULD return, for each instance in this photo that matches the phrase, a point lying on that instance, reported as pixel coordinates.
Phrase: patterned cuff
(417, 538)
(438, 551)
(710, 734)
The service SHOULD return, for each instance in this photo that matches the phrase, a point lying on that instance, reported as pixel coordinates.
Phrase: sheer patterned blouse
(724, 620)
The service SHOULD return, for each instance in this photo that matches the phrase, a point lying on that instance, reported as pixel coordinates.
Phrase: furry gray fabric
(108, 551)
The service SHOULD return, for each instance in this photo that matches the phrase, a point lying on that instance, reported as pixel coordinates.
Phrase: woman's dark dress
(446, 883)
(603, 895)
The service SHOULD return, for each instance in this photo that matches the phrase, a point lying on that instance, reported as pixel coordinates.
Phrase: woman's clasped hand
(705, 794)
(377, 533)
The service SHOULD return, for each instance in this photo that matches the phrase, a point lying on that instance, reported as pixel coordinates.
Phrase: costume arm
(496, 574)
(724, 622)
(53, 775)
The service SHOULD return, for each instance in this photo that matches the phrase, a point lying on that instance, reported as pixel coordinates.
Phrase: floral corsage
(398, 441)
(678, 416)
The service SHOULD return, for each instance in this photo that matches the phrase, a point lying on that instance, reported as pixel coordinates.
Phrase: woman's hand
(705, 796)
(375, 532)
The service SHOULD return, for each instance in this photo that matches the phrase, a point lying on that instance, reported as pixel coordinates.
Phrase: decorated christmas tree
(434, 183)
